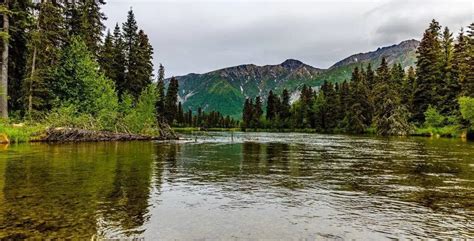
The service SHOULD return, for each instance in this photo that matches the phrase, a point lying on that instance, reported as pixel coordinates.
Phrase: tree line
(170, 109)
(61, 68)
(388, 100)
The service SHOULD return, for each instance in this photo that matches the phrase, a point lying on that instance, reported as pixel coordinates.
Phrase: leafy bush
(433, 118)
(142, 118)
(467, 109)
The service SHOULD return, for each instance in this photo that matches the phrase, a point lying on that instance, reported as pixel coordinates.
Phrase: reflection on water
(283, 186)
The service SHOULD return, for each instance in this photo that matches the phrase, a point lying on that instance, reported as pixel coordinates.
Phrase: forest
(435, 98)
(61, 68)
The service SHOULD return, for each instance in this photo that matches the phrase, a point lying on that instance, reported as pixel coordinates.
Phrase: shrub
(467, 109)
(433, 118)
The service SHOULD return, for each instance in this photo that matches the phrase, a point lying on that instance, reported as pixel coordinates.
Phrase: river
(240, 186)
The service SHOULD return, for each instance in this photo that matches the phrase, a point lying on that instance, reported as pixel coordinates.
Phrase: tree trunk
(32, 76)
(4, 77)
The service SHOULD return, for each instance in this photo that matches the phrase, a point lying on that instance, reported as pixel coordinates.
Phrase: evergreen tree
(357, 106)
(468, 86)
(461, 62)
(407, 87)
(331, 107)
(130, 34)
(391, 117)
(45, 46)
(140, 70)
(428, 70)
(21, 23)
(106, 57)
(171, 102)
(448, 90)
(160, 104)
(320, 112)
(92, 26)
(247, 113)
(138, 55)
(257, 112)
(119, 62)
(369, 77)
(285, 105)
(272, 106)
(180, 114)
(73, 17)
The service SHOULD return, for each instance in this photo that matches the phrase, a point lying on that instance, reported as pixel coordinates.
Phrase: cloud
(200, 36)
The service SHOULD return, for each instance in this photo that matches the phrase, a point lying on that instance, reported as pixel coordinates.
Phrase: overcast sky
(194, 36)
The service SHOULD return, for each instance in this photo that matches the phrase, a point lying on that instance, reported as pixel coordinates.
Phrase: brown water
(260, 186)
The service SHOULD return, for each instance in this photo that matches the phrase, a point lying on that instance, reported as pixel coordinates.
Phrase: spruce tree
(21, 23)
(257, 112)
(119, 63)
(407, 87)
(272, 106)
(285, 106)
(461, 62)
(48, 38)
(247, 114)
(391, 117)
(369, 77)
(448, 90)
(92, 25)
(468, 87)
(106, 57)
(171, 107)
(160, 104)
(428, 70)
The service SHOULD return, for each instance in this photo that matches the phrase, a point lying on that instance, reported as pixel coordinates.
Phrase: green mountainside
(225, 90)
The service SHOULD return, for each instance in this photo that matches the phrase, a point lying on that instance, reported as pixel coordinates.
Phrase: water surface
(240, 186)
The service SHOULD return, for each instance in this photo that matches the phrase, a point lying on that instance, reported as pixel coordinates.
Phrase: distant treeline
(389, 101)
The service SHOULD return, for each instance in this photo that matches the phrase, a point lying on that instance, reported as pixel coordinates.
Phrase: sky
(198, 36)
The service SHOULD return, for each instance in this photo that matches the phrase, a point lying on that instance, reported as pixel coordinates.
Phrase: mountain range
(225, 90)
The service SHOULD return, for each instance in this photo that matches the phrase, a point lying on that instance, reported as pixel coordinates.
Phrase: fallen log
(80, 135)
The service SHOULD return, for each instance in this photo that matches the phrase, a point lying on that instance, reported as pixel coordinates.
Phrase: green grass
(20, 134)
(446, 131)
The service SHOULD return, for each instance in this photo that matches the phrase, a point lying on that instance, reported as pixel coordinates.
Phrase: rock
(4, 139)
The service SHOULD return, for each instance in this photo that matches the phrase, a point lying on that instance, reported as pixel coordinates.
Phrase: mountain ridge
(225, 89)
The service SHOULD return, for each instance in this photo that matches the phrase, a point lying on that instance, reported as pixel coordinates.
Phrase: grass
(445, 131)
(19, 134)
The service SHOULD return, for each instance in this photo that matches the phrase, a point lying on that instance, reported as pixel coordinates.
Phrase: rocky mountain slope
(225, 90)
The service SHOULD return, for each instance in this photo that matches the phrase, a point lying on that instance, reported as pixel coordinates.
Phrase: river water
(240, 186)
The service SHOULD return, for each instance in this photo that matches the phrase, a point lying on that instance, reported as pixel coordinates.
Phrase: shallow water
(240, 186)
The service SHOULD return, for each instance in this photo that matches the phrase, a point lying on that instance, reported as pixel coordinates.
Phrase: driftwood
(80, 135)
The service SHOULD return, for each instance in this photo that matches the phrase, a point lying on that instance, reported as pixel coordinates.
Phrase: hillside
(225, 90)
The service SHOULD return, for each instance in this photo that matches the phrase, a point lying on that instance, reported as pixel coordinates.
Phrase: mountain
(225, 90)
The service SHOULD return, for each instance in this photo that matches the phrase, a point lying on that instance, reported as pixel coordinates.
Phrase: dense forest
(61, 68)
(434, 98)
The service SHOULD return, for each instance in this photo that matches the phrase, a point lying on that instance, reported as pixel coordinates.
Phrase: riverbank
(443, 132)
(21, 133)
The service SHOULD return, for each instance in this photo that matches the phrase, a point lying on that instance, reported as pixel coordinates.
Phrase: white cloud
(199, 36)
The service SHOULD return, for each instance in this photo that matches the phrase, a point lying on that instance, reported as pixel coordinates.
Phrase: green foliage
(20, 134)
(82, 85)
(142, 118)
(467, 109)
(433, 118)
